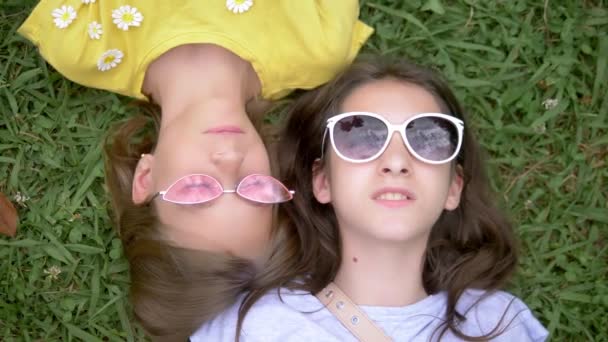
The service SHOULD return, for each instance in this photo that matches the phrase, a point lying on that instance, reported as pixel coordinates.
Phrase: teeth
(392, 196)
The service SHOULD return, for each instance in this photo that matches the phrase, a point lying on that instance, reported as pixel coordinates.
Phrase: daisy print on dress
(126, 16)
(110, 59)
(95, 31)
(64, 16)
(239, 6)
(88, 1)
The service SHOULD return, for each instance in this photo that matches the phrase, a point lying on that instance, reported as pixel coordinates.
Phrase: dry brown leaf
(8, 217)
(586, 99)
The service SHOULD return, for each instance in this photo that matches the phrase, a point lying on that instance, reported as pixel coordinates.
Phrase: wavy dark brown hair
(472, 246)
(173, 290)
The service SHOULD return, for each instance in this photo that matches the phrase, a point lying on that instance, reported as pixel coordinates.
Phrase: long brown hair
(470, 247)
(173, 290)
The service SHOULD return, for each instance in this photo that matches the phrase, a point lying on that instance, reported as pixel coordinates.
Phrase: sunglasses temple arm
(160, 193)
(323, 143)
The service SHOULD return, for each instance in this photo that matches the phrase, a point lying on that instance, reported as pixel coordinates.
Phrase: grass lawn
(533, 76)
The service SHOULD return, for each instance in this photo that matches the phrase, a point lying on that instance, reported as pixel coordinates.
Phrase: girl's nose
(228, 162)
(396, 159)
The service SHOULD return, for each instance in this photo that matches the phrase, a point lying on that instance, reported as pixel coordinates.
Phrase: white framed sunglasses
(360, 137)
(202, 188)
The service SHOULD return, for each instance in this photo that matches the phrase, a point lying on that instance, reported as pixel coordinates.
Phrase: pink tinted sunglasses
(201, 188)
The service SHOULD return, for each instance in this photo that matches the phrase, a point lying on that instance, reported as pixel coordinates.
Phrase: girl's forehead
(395, 100)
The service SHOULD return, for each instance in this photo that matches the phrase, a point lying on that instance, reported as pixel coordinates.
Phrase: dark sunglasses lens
(359, 137)
(193, 189)
(433, 138)
(263, 189)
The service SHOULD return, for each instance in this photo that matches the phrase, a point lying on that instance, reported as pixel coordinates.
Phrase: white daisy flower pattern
(95, 31)
(110, 59)
(239, 6)
(88, 1)
(63, 16)
(127, 16)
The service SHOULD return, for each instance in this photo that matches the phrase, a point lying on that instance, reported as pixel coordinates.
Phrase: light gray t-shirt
(297, 316)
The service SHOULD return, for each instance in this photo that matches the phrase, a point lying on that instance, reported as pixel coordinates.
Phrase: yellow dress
(108, 44)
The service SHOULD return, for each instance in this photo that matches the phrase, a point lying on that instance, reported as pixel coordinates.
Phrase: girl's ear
(142, 180)
(320, 182)
(455, 190)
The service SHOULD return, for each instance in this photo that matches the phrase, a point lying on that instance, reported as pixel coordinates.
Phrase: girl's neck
(377, 274)
(200, 75)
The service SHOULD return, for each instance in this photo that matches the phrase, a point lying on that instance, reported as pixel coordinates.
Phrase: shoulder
(486, 311)
(221, 328)
(285, 315)
(279, 315)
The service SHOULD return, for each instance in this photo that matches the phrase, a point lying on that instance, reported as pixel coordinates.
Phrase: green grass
(533, 76)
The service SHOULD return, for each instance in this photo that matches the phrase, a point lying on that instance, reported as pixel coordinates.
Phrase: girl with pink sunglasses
(392, 233)
(190, 179)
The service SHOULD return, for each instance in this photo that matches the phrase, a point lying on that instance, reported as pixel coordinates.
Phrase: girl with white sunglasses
(392, 233)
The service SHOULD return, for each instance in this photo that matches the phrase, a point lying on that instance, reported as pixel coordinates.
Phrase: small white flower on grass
(53, 272)
(64, 16)
(127, 16)
(20, 198)
(239, 6)
(540, 128)
(88, 1)
(550, 103)
(95, 30)
(109, 59)
(75, 217)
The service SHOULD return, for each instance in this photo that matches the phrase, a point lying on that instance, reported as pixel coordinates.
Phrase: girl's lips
(402, 191)
(227, 129)
(393, 197)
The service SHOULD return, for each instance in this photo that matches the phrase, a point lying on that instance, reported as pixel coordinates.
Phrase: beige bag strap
(350, 315)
